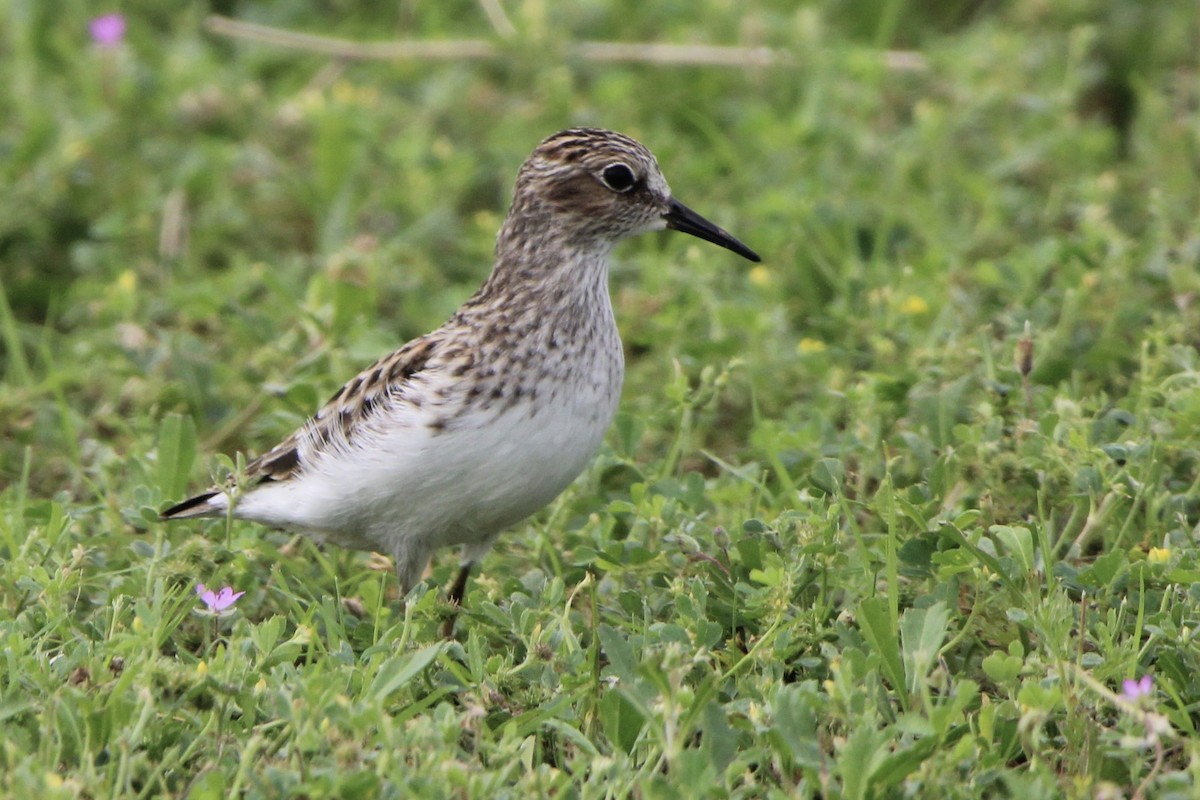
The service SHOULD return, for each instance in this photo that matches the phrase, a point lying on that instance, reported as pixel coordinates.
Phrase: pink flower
(1133, 690)
(107, 30)
(217, 602)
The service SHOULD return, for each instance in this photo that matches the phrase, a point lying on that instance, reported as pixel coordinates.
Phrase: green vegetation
(839, 543)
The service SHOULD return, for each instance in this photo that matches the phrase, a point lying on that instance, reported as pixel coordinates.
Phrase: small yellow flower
(1159, 555)
(54, 780)
(486, 220)
(138, 625)
(343, 92)
(807, 346)
(760, 276)
(202, 668)
(127, 281)
(261, 685)
(75, 149)
(914, 305)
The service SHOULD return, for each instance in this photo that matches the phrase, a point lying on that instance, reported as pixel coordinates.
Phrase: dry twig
(477, 49)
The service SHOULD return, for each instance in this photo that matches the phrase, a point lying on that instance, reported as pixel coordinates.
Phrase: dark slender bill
(681, 218)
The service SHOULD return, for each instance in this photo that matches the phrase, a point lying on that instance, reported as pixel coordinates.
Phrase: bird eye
(618, 177)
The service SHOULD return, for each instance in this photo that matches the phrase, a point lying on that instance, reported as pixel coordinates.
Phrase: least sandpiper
(471, 428)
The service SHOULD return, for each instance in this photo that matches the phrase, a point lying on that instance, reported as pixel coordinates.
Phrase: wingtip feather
(199, 506)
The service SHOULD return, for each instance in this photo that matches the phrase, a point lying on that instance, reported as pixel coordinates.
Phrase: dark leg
(459, 587)
(455, 596)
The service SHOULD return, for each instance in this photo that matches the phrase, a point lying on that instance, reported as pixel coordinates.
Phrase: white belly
(409, 486)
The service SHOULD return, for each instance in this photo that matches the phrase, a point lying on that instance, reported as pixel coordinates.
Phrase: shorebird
(468, 430)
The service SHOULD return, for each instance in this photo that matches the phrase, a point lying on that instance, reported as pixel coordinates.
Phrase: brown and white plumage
(469, 429)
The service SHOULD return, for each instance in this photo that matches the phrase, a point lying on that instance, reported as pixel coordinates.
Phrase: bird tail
(209, 504)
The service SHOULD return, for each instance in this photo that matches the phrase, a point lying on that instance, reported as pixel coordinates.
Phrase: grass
(839, 543)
